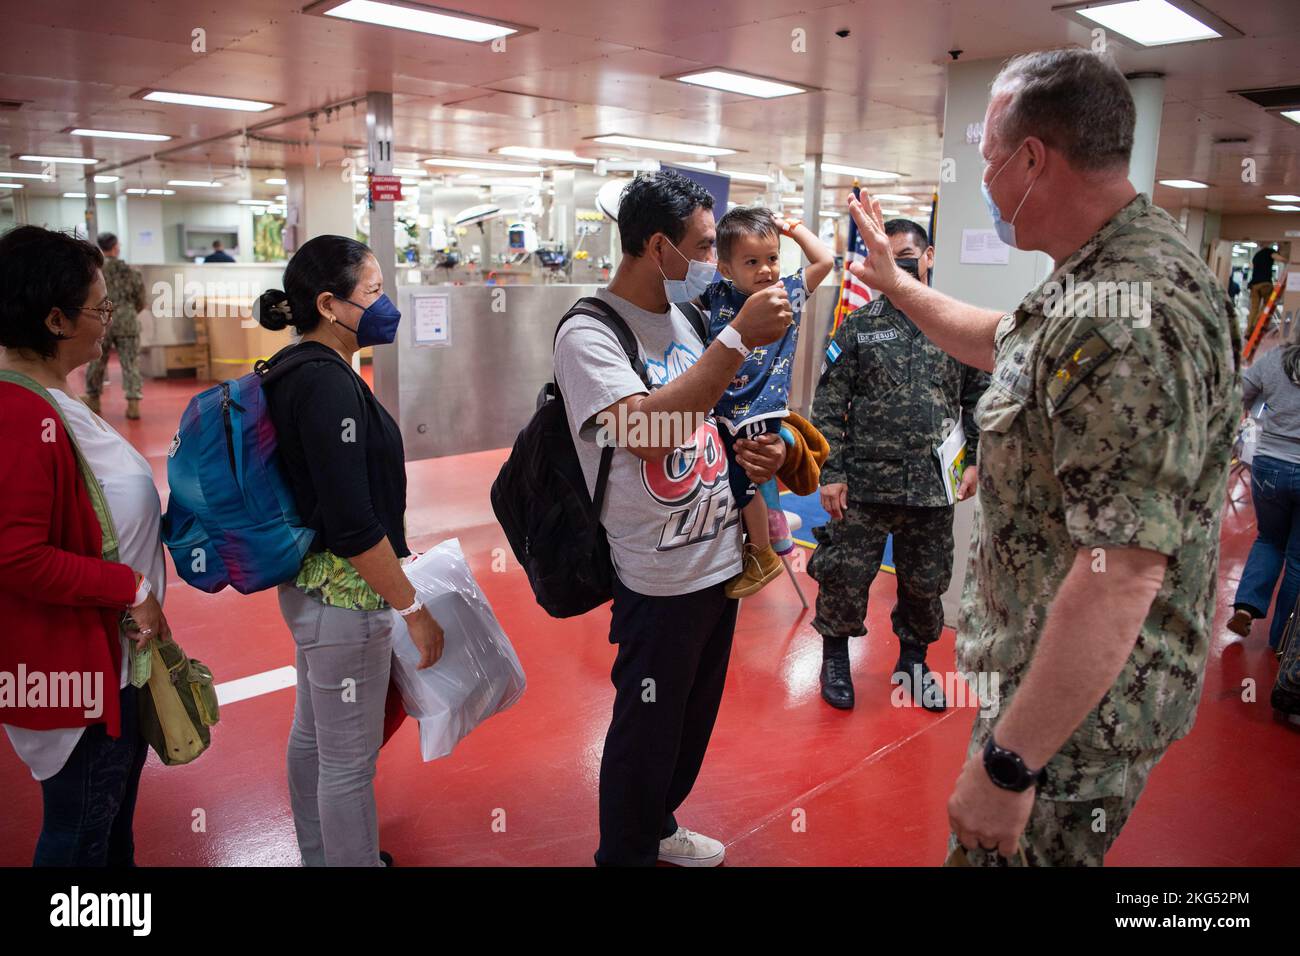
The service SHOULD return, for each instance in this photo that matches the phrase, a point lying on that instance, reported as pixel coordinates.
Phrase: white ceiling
(592, 67)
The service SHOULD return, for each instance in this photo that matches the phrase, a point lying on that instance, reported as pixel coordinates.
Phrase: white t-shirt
(133, 501)
(673, 526)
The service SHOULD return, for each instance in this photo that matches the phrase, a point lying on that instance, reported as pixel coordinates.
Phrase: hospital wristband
(730, 337)
(413, 608)
(142, 591)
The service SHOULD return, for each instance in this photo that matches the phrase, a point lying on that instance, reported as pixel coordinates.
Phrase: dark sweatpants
(660, 731)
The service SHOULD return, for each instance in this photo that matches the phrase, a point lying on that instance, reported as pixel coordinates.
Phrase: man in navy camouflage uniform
(1105, 440)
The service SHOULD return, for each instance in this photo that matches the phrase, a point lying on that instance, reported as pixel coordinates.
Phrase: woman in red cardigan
(64, 699)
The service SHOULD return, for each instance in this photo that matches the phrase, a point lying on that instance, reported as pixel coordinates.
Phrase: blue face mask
(378, 324)
(1006, 230)
(698, 276)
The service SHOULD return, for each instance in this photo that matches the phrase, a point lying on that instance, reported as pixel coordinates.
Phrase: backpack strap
(603, 312)
(696, 319)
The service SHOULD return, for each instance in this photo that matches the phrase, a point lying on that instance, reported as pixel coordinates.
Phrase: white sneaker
(688, 848)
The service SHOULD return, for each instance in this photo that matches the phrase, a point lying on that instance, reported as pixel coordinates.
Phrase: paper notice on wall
(144, 237)
(432, 320)
(982, 247)
(1293, 281)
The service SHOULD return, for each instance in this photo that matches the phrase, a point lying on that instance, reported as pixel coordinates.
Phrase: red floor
(872, 783)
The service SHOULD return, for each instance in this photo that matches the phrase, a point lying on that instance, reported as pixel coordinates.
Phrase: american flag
(854, 294)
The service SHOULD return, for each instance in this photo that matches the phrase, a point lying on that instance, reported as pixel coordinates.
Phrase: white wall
(55, 212)
(961, 206)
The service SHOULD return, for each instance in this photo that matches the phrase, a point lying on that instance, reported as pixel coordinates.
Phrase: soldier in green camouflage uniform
(1103, 432)
(887, 398)
(126, 292)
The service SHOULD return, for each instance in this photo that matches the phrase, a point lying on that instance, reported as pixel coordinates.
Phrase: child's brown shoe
(760, 567)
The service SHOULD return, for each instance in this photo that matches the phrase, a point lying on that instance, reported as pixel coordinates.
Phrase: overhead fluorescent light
(1153, 22)
(747, 177)
(11, 185)
(524, 181)
(281, 198)
(254, 202)
(410, 181)
(1283, 198)
(891, 212)
(276, 182)
(1292, 115)
(75, 160)
(10, 174)
(83, 195)
(859, 171)
(203, 184)
(107, 179)
(730, 81)
(406, 171)
(120, 134)
(1183, 184)
(538, 152)
(456, 163)
(893, 197)
(441, 23)
(1286, 207)
(211, 102)
(830, 213)
(666, 146)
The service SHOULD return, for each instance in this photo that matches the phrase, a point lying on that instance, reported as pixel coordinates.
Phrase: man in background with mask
(1105, 439)
(887, 399)
(672, 524)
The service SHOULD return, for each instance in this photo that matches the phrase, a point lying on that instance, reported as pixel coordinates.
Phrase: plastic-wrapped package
(478, 674)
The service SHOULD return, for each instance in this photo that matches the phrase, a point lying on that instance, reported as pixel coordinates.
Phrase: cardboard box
(233, 349)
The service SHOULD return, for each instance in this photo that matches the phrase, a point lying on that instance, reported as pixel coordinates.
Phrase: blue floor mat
(809, 509)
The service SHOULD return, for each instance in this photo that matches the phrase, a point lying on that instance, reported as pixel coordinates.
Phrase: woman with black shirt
(342, 455)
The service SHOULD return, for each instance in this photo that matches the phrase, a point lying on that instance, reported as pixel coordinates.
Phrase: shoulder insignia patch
(833, 352)
(877, 307)
(1088, 353)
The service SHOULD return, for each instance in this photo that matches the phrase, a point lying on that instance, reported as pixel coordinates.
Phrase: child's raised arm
(820, 257)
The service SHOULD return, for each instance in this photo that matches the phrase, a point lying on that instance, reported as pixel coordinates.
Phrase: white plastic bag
(478, 674)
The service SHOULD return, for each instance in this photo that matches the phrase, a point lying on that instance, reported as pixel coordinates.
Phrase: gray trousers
(343, 659)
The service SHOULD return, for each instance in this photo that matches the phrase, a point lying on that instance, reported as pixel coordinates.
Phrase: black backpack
(540, 495)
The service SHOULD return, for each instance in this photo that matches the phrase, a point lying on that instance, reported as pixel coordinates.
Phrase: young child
(749, 258)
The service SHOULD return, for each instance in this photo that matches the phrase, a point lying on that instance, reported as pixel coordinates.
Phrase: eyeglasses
(105, 311)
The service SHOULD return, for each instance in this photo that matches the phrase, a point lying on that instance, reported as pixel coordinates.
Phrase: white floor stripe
(228, 692)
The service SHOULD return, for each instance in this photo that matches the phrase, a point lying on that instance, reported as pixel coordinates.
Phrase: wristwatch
(1008, 771)
(731, 339)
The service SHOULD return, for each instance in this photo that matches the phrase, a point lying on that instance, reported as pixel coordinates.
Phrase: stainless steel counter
(479, 388)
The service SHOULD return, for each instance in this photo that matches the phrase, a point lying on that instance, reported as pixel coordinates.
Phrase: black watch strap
(1007, 770)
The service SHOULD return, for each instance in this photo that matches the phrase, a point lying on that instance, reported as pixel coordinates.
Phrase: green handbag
(181, 703)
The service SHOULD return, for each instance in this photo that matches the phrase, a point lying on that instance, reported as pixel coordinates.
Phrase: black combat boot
(837, 681)
(914, 674)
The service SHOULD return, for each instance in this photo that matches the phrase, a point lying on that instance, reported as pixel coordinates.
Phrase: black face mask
(910, 266)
